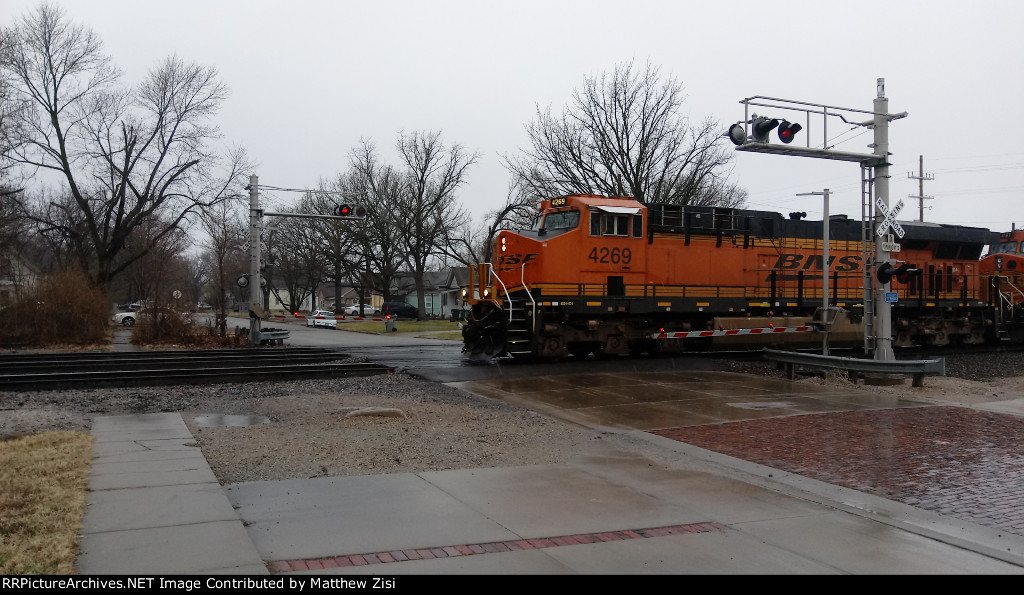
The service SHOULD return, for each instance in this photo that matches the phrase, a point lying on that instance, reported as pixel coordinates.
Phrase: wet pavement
(959, 462)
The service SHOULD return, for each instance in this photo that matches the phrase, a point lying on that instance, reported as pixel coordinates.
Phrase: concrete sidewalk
(155, 507)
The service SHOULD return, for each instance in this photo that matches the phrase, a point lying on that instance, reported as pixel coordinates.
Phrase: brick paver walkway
(960, 462)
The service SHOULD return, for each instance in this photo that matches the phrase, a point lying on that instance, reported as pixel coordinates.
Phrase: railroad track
(23, 372)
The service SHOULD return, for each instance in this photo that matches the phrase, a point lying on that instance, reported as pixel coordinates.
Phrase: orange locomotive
(610, 275)
(1004, 268)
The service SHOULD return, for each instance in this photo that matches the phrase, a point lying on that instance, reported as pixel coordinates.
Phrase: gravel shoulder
(393, 423)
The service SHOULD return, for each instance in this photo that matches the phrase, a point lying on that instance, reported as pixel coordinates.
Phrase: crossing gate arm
(731, 332)
(916, 368)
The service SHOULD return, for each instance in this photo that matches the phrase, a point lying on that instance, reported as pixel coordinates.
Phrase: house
(16, 275)
(442, 292)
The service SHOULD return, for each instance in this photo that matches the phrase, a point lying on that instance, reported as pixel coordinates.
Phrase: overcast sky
(310, 78)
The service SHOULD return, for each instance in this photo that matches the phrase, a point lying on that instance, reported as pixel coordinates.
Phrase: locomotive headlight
(503, 246)
(487, 292)
(465, 292)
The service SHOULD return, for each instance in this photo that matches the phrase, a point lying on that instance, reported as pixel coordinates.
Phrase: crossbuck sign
(890, 219)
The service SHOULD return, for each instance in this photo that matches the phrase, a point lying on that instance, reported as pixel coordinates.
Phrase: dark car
(400, 310)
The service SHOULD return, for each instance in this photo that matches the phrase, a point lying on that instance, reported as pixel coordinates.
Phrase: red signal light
(787, 131)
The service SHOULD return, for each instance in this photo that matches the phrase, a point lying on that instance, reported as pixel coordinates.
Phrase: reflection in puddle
(220, 420)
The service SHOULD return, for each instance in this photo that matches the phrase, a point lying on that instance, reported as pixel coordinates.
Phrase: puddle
(220, 420)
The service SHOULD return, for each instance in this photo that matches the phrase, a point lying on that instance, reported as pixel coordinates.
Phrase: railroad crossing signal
(350, 211)
(890, 219)
(787, 131)
(761, 127)
(903, 273)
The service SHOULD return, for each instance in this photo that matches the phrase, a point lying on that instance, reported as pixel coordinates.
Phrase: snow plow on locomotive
(610, 275)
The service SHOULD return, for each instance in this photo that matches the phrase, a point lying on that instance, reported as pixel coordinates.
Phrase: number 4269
(612, 255)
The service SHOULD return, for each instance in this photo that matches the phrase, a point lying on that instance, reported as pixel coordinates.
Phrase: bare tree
(226, 240)
(430, 211)
(470, 244)
(381, 236)
(339, 242)
(296, 263)
(623, 134)
(126, 157)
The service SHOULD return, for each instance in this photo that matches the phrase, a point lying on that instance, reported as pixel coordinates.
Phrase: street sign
(890, 219)
(891, 296)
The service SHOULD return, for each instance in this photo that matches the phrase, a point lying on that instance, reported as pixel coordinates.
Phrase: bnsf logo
(792, 262)
(517, 258)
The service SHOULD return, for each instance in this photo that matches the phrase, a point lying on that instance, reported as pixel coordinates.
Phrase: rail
(789, 360)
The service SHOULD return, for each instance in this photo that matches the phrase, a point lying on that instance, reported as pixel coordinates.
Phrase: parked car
(125, 318)
(400, 310)
(322, 319)
(131, 318)
(368, 310)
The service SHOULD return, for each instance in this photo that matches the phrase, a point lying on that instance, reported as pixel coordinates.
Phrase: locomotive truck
(610, 275)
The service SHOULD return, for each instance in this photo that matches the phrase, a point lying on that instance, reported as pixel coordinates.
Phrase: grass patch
(43, 482)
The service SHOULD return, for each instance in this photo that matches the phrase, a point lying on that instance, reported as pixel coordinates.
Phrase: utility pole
(921, 177)
(254, 260)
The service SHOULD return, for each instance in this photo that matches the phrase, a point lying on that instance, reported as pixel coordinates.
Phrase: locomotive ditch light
(737, 134)
(761, 127)
(787, 131)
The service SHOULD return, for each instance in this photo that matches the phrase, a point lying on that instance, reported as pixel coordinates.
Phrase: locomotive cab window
(615, 221)
(557, 221)
(1005, 248)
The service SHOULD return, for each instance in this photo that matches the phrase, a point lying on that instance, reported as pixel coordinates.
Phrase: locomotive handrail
(855, 366)
(490, 270)
(533, 302)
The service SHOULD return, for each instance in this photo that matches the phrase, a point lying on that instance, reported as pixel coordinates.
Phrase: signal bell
(737, 134)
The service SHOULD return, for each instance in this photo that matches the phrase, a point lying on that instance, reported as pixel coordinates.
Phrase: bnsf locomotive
(1003, 267)
(610, 275)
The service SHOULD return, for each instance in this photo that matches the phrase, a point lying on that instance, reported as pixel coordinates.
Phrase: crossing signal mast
(753, 135)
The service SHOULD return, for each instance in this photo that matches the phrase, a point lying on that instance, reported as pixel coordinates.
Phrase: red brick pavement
(960, 462)
(451, 551)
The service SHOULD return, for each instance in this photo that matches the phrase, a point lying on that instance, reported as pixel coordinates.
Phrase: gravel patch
(389, 423)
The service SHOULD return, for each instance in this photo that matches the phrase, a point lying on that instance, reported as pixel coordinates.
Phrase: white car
(125, 318)
(368, 310)
(322, 318)
(130, 318)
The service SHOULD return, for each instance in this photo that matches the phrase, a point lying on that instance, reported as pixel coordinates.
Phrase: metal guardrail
(856, 366)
